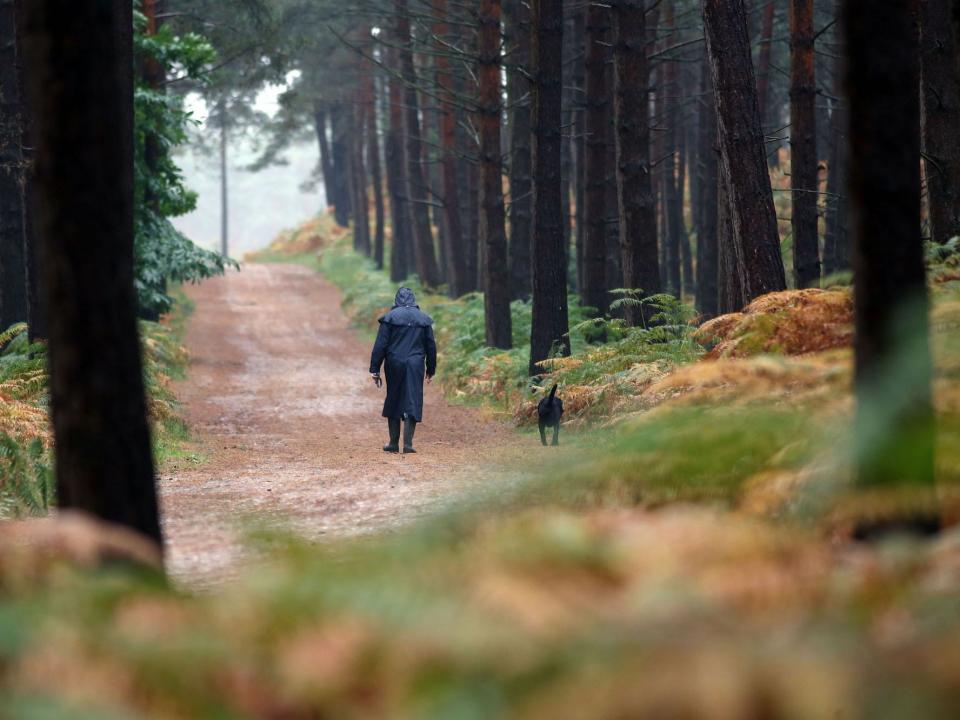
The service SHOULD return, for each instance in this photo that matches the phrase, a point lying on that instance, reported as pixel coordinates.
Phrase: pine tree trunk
(550, 325)
(890, 297)
(13, 260)
(224, 184)
(396, 186)
(673, 212)
(836, 242)
(35, 310)
(730, 293)
(940, 96)
(804, 178)
(578, 80)
(326, 157)
(79, 66)
(423, 250)
(456, 250)
(594, 291)
(755, 236)
(493, 234)
(686, 257)
(636, 203)
(516, 15)
(376, 174)
(764, 61)
(358, 175)
(340, 154)
(708, 238)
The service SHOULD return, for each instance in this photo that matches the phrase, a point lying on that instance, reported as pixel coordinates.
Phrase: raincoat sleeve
(430, 349)
(380, 348)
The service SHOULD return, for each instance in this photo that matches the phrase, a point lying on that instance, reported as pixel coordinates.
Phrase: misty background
(263, 203)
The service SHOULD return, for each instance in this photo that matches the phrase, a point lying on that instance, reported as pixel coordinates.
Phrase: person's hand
(429, 379)
(376, 379)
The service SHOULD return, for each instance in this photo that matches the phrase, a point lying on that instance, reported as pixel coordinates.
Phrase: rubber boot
(409, 427)
(393, 424)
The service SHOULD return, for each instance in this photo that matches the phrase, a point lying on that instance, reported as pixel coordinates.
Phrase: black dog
(550, 410)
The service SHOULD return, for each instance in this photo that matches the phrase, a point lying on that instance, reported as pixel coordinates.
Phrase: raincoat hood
(405, 298)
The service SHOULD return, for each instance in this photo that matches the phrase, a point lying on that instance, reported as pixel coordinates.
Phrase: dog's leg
(543, 435)
(556, 434)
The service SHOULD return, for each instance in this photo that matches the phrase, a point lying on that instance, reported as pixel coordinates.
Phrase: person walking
(406, 346)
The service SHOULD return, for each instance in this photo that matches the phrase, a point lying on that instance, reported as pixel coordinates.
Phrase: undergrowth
(26, 466)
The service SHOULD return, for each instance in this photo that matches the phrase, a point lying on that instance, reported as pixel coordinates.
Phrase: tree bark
(550, 325)
(730, 292)
(516, 15)
(493, 234)
(890, 296)
(397, 187)
(456, 255)
(764, 61)
(631, 110)
(755, 236)
(836, 242)
(79, 66)
(35, 310)
(593, 290)
(339, 144)
(376, 173)
(578, 81)
(673, 210)
(423, 250)
(326, 157)
(708, 238)
(804, 177)
(358, 176)
(224, 183)
(940, 96)
(13, 259)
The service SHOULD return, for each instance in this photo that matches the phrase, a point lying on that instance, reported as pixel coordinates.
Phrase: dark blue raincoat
(406, 343)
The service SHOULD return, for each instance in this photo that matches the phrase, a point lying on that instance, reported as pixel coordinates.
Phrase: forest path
(280, 404)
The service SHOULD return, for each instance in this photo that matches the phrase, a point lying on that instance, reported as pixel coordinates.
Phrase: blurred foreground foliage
(686, 554)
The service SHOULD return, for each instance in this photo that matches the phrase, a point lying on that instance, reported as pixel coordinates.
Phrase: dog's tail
(553, 392)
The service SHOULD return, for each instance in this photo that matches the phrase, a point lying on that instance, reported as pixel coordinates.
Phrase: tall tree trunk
(940, 96)
(397, 186)
(79, 66)
(673, 210)
(764, 61)
(730, 293)
(890, 297)
(358, 175)
(708, 246)
(804, 177)
(376, 174)
(326, 156)
(423, 250)
(593, 291)
(631, 109)
(340, 154)
(755, 236)
(13, 259)
(516, 16)
(224, 180)
(686, 252)
(550, 324)
(35, 310)
(493, 234)
(578, 80)
(456, 250)
(836, 242)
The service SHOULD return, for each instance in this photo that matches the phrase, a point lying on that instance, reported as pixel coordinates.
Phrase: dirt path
(288, 423)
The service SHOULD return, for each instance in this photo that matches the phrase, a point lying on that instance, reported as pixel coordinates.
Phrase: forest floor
(286, 427)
